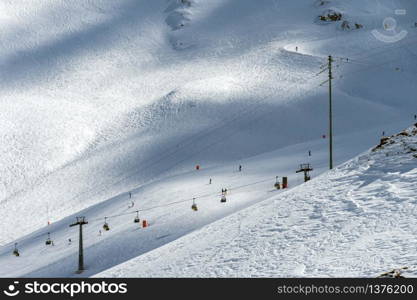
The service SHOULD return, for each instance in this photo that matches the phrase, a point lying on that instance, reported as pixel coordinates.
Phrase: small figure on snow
(240, 168)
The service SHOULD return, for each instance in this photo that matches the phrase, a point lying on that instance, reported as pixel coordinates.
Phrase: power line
(358, 59)
(171, 151)
(371, 66)
(247, 111)
(368, 66)
(386, 48)
(167, 153)
(193, 138)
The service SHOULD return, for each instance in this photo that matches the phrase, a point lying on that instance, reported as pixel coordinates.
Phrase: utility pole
(80, 222)
(329, 80)
(330, 115)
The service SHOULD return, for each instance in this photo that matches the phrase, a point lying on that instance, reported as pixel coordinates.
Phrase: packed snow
(355, 221)
(104, 98)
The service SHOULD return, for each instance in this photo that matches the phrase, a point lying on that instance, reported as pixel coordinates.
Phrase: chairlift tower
(306, 168)
(80, 222)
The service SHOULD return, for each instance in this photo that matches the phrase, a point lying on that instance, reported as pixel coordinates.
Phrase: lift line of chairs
(106, 226)
(222, 200)
(47, 242)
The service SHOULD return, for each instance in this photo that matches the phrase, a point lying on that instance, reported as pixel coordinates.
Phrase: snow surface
(357, 220)
(100, 97)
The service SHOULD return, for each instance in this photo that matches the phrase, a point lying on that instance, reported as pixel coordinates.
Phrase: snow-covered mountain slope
(166, 205)
(357, 220)
(99, 98)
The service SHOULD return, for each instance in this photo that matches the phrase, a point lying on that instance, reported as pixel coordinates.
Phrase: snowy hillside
(358, 220)
(104, 98)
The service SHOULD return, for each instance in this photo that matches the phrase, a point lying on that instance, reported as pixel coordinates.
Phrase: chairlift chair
(48, 240)
(15, 251)
(223, 199)
(105, 225)
(194, 206)
(277, 184)
(136, 220)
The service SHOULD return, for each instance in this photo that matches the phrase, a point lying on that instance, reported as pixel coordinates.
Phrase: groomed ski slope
(100, 98)
(358, 220)
(166, 205)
